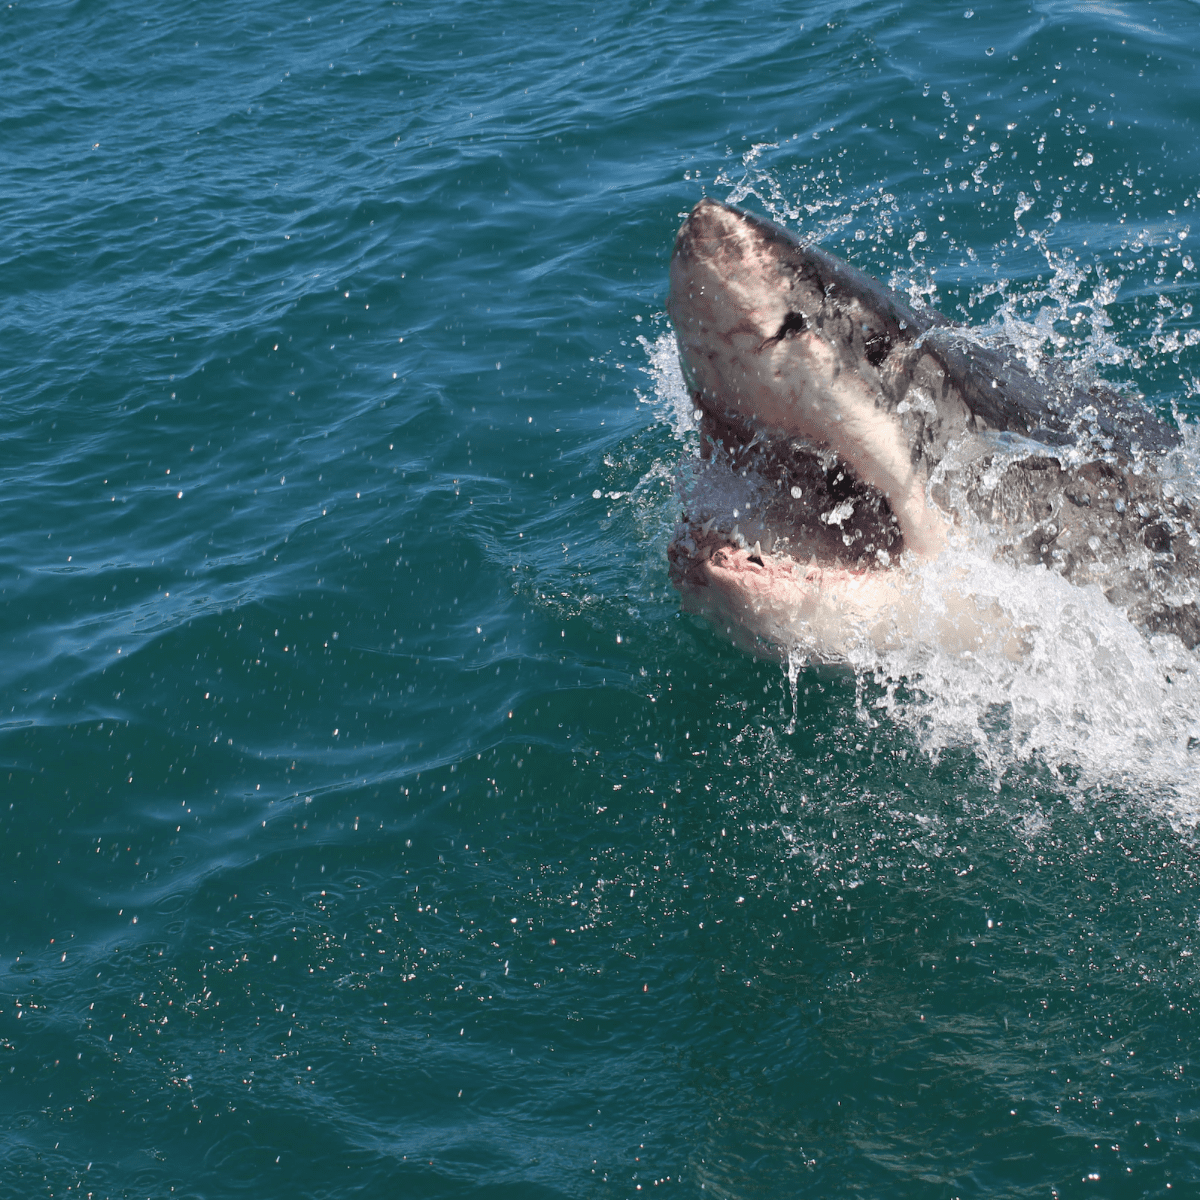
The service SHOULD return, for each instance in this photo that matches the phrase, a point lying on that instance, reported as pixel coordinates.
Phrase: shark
(847, 437)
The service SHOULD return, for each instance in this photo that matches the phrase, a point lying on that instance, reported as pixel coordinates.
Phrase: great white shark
(862, 434)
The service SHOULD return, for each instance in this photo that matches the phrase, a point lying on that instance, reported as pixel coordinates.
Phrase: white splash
(1089, 696)
(1076, 689)
(669, 395)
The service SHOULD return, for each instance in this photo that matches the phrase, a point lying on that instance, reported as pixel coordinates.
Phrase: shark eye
(794, 322)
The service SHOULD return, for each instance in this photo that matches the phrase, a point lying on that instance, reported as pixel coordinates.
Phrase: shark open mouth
(846, 435)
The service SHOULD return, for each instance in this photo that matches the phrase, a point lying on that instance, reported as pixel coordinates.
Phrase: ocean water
(373, 823)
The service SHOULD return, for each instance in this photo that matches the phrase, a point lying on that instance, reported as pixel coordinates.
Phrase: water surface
(373, 820)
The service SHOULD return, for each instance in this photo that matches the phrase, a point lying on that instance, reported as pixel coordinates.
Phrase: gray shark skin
(859, 409)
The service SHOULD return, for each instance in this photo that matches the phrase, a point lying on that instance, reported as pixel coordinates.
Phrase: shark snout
(714, 235)
(726, 280)
(708, 225)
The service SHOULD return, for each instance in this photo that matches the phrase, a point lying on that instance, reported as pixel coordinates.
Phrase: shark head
(753, 307)
(780, 340)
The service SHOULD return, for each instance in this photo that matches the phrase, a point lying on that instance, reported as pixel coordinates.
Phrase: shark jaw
(844, 434)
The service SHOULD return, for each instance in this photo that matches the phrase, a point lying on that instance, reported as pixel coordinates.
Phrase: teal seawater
(373, 823)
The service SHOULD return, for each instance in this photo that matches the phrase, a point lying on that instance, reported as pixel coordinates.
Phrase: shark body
(873, 430)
